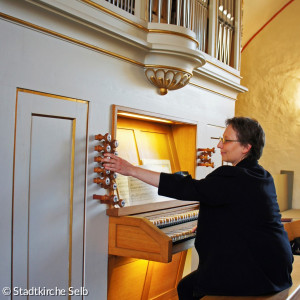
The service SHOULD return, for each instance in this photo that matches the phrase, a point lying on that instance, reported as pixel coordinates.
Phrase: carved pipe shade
(167, 79)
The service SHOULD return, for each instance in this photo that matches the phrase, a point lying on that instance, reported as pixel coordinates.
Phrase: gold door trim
(71, 203)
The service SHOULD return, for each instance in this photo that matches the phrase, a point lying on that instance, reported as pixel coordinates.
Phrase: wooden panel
(126, 281)
(152, 140)
(137, 209)
(291, 213)
(185, 142)
(152, 280)
(159, 245)
(137, 239)
(165, 276)
(153, 145)
(293, 229)
(127, 146)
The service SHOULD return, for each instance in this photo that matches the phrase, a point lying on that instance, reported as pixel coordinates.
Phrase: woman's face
(231, 150)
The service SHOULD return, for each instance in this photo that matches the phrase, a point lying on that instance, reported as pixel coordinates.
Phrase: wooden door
(49, 191)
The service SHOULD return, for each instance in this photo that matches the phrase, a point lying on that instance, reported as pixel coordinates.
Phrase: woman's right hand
(117, 164)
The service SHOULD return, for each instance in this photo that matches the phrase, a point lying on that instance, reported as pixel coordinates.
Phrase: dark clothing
(242, 245)
(185, 288)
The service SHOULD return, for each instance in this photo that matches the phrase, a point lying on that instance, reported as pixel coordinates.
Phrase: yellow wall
(271, 72)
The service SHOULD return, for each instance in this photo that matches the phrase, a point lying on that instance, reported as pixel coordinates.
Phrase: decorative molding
(167, 79)
(223, 80)
(226, 70)
(188, 68)
(139, 26)
(212, 91)
(69, 39)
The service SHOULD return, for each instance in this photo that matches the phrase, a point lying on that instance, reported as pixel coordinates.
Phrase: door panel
(49, 191)
(49, 201)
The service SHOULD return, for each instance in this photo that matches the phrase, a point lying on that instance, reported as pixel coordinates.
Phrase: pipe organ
(157, 230)
(226, 29)
(191, 14)
(197, 16)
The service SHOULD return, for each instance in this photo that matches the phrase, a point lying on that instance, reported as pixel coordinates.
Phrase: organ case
(148, 241)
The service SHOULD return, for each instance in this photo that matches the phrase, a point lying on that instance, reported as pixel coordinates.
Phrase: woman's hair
(250, 132)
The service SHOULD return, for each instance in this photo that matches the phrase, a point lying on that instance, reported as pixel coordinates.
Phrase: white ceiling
(256, 13)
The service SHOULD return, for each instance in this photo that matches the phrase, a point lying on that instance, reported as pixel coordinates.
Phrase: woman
(242, 246)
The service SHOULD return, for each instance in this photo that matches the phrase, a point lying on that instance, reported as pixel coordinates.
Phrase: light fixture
(167, 79)
(143, 117)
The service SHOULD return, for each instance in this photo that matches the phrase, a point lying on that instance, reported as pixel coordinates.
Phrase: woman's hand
(117, 164)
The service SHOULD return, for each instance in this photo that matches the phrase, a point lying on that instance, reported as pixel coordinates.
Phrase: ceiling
(256, 13)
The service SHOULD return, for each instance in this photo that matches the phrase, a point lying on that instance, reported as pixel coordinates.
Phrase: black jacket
(242, 245)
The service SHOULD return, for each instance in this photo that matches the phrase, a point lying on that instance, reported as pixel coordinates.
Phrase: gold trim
(202, 87)
(238, 76)
(13, 196)
(78, 42)
(71, 203)
(174, 33)
(52, 96)
(72, 40)
(139, 26)
(85, 193)
(167, 67)
(106, 10)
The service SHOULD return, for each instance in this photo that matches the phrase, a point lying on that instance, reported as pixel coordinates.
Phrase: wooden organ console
(148, 249)
(148, 232)
(149, 242)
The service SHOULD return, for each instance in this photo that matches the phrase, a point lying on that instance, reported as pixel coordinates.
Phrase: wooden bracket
(106, 179)
(205, 157)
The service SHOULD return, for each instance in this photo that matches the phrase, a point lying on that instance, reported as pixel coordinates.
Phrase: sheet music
(141, 192)
(158, 165)
(123, 188)
(134, 191)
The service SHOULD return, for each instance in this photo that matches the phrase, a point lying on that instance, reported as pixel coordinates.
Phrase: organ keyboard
(153, 231)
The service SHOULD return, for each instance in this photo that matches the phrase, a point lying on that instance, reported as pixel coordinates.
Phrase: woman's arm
(117, 164)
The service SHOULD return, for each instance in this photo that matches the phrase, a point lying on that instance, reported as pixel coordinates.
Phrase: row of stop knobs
(106, 179)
